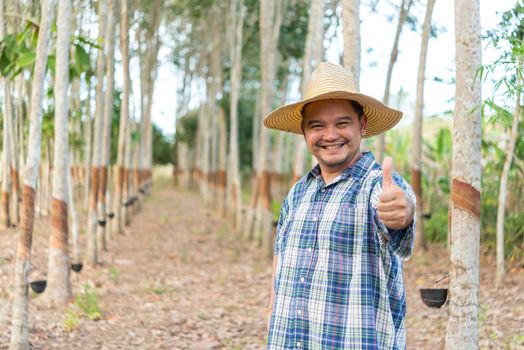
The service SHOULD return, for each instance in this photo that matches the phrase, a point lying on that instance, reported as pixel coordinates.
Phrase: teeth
(333, 146)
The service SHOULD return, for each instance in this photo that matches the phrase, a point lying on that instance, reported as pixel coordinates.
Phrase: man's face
(333, 131)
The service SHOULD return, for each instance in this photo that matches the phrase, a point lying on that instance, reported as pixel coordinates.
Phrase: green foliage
(72, 319)
(293, 32)
(17, 52)
(163, 147)
(87, 303)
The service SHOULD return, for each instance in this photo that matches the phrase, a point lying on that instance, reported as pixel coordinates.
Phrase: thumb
(387, 172)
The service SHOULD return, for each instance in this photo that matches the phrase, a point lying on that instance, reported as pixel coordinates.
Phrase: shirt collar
(356, 171)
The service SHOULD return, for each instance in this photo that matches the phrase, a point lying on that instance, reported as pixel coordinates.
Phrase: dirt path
(179, 279)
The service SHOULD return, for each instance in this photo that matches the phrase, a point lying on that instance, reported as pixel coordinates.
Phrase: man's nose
(330, 133)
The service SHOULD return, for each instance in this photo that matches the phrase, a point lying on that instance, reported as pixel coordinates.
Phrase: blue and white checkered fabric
(338, 283)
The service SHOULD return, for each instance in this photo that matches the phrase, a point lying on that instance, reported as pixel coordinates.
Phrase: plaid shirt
(338, 283)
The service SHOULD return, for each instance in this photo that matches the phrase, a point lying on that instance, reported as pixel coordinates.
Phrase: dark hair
(356, 106)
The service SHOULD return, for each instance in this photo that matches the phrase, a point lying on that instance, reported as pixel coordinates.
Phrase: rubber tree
(313, 54)
(6, 137)
(403, 15)
(270, 20)
(20, 314)
(234, 193)
(58, 289)
(92, 214)
(124, 117)
(463, 328)
(102, 228)
(416, 160)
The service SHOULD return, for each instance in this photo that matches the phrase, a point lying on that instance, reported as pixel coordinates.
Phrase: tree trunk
(313, 52)
(270, 20)
(352, 44)
(351, 33)
(124, 118)
(510, 148)
(416, 164)
(88, 139)
(20, 318)
(92, 244)
(404, 11)
(6, 143)
(126, 217)
(58, 289)
(235, 53)
(102, 228)
(462, 329)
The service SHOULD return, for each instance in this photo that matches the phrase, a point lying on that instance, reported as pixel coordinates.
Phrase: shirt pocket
(347, 229)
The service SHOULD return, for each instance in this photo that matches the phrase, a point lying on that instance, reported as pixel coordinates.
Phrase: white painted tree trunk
(270, 20)
(20, 319)
(6, 141)
(92, 220)
(124, 118)
(404, 11)
(235, 53)
(510, 148)
(102, 227)
(351, 33)
(416, 161)
(462, 328)
(88, 139)
(58, 289)
(314, 51)
(352, 44)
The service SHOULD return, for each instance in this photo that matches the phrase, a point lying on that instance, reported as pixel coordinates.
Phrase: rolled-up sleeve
(282, 221)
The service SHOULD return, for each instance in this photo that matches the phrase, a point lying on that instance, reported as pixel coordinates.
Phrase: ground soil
(180, 278)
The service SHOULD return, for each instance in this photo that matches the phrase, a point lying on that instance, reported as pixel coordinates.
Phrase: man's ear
(363, 125)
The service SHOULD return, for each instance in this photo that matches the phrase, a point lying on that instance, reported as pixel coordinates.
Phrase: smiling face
(333, 130)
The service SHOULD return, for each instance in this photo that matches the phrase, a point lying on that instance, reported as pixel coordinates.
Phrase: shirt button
(299, 344)
(315, 218)
(309, 250)
(302, 279)
(299, 312)
(323, 190)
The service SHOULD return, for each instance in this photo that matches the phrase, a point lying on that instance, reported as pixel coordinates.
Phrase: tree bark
(462, 328)
(92, 244)
(58, 289)
(314, 51)
(351, 33)
(235, 53)
(102, 228)
(404, 11)
(270, 20)
(416, 163)
(124, 118)
(20, 319)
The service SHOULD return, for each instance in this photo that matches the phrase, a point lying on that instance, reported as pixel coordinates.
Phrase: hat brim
(380, 117)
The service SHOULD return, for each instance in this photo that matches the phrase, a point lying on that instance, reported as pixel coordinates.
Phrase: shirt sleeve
(400, 242)
(282, 221)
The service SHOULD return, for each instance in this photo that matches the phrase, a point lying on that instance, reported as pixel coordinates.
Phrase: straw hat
(332, 81)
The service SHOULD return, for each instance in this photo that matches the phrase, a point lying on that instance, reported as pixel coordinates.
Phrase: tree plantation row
(62, 133)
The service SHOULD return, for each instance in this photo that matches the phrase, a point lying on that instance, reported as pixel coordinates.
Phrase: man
(344, 228)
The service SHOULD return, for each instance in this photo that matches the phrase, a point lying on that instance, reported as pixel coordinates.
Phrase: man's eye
(316, 126)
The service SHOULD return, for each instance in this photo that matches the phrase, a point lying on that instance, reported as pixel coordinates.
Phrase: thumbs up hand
(395, 208)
